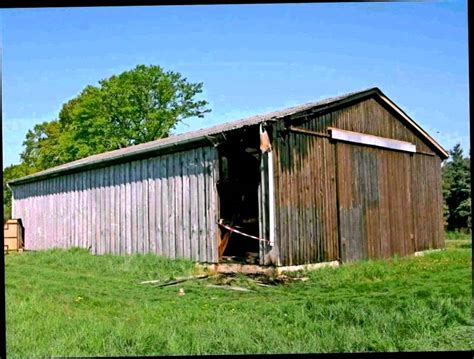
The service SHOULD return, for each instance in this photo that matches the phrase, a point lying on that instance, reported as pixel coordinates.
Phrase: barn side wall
(164, 205)
(307, 203)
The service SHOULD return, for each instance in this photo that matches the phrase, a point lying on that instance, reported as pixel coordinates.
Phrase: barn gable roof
(177, 141)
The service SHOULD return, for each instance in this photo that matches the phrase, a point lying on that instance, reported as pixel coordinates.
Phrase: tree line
(145, 104)
(456, 173)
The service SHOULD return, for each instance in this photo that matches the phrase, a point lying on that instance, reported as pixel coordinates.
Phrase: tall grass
(458, 235)
(70, 303)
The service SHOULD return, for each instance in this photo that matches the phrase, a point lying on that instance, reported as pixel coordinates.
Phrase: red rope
(242, 233)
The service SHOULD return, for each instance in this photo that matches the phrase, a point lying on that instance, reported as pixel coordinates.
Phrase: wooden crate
(13, 235)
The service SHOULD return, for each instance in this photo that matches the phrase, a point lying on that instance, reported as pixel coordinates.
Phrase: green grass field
(70, 303)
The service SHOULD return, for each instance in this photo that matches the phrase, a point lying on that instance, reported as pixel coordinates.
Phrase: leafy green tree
(40, 146)
(457, 190)
(9, 173)
(136, 106)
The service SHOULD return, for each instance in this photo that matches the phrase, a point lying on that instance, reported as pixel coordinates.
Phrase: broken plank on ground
(175, 281)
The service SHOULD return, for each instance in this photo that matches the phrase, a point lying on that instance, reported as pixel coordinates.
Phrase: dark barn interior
(239, 177)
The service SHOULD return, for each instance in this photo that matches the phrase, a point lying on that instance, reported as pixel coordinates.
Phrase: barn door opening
(238, 185)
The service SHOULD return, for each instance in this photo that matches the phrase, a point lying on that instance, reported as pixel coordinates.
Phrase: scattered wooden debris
(229, 287)
(176, 281)
(225, 280)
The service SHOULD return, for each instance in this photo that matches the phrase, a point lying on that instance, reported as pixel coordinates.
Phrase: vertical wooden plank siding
(164, 204)
(207, 227)
(384, 196)
(30, 203)
(305, 199)
(78, 219)
(38, 201)
(103, 210)
(45, 225)
(64, 211)
(113, 218)
(128, 208)
(151, 200)
(82, 211)
(87, 210)
(213, 212)
(201, 219)
(139, 210)
(178, 200)
(95, 213)
(427, 202)
(51, 223)
(134, 208)
(146, 218)
(157, 175)
(41, 205)
(140, 241)
(77, 210)
(28, 214)
(121, 208)
(375, 209)
(186, 207)
(193, 194)
(117, 209)
(74, 213)
(171, 203)
(109, 220)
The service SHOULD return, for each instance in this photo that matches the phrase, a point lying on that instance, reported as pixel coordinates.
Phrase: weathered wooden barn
(346, 178)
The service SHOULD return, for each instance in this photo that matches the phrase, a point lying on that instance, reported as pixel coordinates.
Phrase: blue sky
(251, 58)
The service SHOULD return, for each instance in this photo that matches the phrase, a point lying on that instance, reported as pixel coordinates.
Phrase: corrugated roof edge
(202, 134)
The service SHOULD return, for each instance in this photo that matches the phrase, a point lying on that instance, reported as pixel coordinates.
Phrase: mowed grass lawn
(70, 303)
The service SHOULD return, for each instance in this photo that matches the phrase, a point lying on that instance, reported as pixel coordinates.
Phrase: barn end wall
(164, 205)
(308, 204)
(305, 200)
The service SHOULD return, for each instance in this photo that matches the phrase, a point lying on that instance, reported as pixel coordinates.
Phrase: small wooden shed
(346, 178)
(12, 235)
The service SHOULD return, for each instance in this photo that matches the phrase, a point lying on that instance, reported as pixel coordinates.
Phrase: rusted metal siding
(165, 205)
